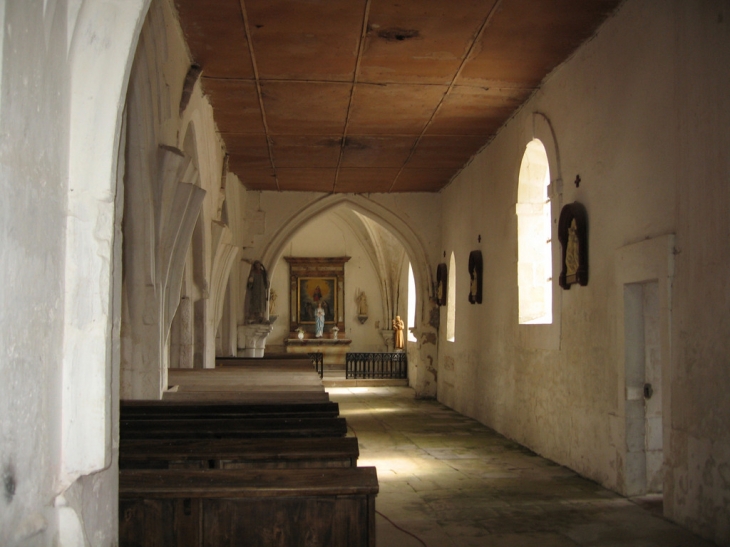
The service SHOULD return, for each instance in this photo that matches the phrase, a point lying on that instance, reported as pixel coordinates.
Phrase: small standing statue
(572, 253)
(272, 302)
(362, 303)
(256, 304)
(398, 327)
(319, 321)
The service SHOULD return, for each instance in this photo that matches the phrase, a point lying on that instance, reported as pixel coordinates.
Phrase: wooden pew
(250, 508)
(298, 382)
(267, 358)
(145, 410)
(238, 453)
(231, 428)
(248, 397)
(277, 377)
(316, 359)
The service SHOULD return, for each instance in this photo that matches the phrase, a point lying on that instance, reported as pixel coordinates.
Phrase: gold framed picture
(313, 293)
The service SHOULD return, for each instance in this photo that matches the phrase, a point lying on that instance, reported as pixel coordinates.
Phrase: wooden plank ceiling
(372, 95)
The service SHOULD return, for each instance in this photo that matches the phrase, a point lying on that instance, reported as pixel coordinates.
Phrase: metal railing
(376, 365)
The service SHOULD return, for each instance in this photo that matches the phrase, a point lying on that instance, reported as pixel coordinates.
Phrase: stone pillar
(388, 337)
(253, 336)
(181, 344)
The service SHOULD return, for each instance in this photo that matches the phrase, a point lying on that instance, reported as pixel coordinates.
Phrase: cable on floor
(386, 518)
(402, 530)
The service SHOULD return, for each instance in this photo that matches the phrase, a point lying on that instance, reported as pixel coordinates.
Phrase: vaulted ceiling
(372, 95)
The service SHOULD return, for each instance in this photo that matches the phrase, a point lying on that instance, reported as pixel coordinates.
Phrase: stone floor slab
(448, 481)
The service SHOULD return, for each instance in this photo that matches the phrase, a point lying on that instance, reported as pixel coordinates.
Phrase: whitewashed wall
(64, 74)
(33, 182)
(640, 113)
(274, 218)
(151, 202)
(331, 235)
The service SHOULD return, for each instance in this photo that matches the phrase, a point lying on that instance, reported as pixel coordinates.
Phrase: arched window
(411, 303)
(451, 302)
(534, 265)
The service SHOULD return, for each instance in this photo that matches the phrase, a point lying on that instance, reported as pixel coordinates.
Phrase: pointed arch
(534, 241)
(414, 247)
(539, 126)
(101, 50)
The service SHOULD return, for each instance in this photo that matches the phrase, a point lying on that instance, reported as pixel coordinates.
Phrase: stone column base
(253, 337)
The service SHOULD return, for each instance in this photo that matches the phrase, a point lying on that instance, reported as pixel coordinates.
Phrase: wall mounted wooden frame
(475, 277)
(442, 283)
(573, 236)
(313, 281)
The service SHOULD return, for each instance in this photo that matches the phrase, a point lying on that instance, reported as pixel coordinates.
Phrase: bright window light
(534, 244)
(451, 302)
(411, 303)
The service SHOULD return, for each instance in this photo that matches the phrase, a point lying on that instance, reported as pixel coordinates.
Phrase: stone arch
(225, 253)
(208, 148)
(422, 366)
(538, 126)
(534, 242)
(380, 214)
(103, 42)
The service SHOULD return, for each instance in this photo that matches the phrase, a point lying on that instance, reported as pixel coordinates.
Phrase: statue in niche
(319, 321)
(475, 277)
(398, 326)
(573, 237)
(572, 251)
(362, 303)
(256, 303)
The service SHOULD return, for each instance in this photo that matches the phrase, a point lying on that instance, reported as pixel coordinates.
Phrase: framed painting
(316, 282)
(313, 292)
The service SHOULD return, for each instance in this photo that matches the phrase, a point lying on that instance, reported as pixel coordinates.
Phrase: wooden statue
(398, 327)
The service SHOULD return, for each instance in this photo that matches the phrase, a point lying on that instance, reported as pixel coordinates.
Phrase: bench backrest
(234, 453)
(232, 428)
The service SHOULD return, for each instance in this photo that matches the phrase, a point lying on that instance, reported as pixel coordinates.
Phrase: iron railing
(376, 365)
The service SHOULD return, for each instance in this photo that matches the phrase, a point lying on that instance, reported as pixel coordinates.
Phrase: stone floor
(446, 480)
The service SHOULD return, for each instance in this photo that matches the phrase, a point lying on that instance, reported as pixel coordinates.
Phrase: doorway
(643, 361)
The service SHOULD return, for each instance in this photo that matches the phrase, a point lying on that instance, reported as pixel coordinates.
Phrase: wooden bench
(238, 453)
(249, 508)
(265, 360)
(315, 358)
(144, 410)
(248, 397)
(231, 428)
(284, 376)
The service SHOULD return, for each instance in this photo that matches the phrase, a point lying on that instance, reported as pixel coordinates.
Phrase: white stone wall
(333, 234)
(698, 481)
(273, 219)
(64, 74)
(33, 181)
(164, 214)
(640, 114)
